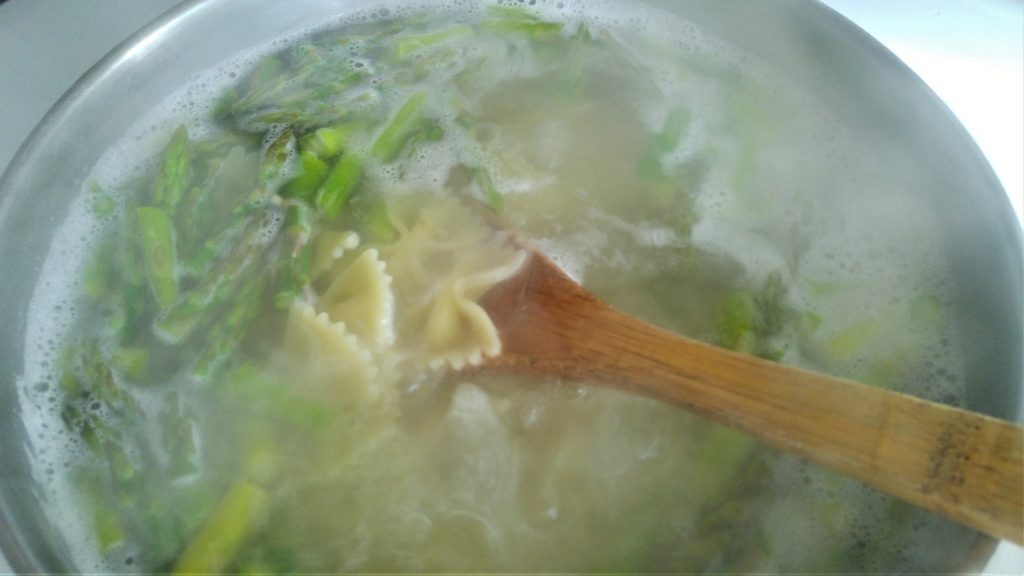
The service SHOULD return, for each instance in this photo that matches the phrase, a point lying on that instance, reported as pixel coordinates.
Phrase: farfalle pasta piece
(360, 297)
(445, 259)
(458, 330)
(329, 247)
(325, 356)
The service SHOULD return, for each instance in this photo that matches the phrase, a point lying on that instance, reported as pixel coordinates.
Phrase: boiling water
(761, 185)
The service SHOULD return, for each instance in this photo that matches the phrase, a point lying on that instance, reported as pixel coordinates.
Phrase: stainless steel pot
(862, 81)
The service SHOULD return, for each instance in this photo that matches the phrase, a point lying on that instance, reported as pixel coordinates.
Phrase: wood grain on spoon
(961, 464)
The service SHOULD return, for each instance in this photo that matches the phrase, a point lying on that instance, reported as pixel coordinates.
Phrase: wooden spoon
(961, 464)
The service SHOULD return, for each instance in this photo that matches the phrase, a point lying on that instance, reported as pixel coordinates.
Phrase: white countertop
(970, 52)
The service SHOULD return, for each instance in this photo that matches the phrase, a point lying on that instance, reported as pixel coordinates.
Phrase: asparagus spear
(316, 88)
(198, 265)
(213, 549)
(649, 167)
(97, 281)
(255, 390)
(397, 132)
(313, 171)
(327, 142)
(227, 336)
(513, 19)
(277, 162)
(298, 232)
(198, 305)
(101, 203)
(106, 521)
(492, 196)
(338, 186)
(176, 435)
(157, 235)
(174, 175)
(406, 46)
(751, 321)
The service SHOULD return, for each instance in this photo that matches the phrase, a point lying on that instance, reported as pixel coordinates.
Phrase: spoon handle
(964, 465)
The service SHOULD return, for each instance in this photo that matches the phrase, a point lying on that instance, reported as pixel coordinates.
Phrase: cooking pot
(862, 82)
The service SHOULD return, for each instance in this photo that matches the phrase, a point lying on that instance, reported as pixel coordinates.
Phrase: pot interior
(916, 173)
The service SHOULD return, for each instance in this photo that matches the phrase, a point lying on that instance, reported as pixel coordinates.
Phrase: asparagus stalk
(197, 306)
(649, 167)
(313, 171)
(512, 19)
(277, 162)
(316, 88)
(227, 336)
(492, 196)
(298, 232)
(174, 175)
(157, 235)
(102, 204)
(214, 548)
(338, 186)
(198, 265)
(406, 46)
(178, 442)
(327, 142)
(402, 126)
(106, 521)
(270, 398)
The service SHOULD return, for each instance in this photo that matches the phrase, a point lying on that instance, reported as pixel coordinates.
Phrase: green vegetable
(314, 88)
(227, 336)
(298, 232)
(106, 522)
(176, 432)
(327, 142)
(313, 171)
(396, 134)
(255, 390)
(370, 212)
(102, 203)
(214, 290)
(276, 164)
(157, 234)
(512, 19)
(406, 46)
(174, 175)
(99, 276)
(213, 549)
(492, 196)
(131, 361)
(649, 166)
(199, 264)
(751, 322)
(338, 186)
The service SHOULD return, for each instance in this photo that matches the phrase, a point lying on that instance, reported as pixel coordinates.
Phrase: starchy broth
(252, 372)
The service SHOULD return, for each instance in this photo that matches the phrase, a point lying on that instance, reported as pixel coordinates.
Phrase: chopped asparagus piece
(298, 232)
(512, 19)
(402, 126)
(197, 306)
(492, 196)
(406, 46)
(649, 167)
(313, 171)
(327, 142)
(338, 186)
(102, 204)
(174, 175)
(158, 251)
(213, 549)
(277, 163)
